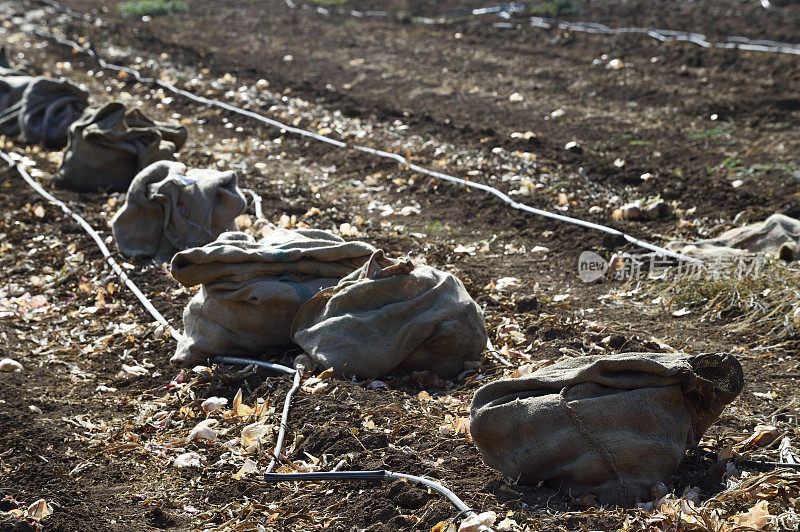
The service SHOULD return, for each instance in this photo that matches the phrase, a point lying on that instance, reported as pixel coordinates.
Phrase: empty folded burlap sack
(610, 426)
(392, 314)
(169, 208)
(49, 107)
(251, 290)
(778, 236)
(108, 146)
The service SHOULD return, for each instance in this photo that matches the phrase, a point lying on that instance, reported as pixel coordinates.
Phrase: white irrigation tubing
(276, 454)
(332, 475)
(379, 474)
(97, 239)
(286, 404)
(71, 12)
(505, 11)
(379, 153)
(732, 42)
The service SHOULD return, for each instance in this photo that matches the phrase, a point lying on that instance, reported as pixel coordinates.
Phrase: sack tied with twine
(610, 426)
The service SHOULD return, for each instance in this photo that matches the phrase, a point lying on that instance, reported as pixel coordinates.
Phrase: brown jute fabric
(109, 145)
(610, 426)
(392, 314)
(778, 236)
(48, 108)
(251, 290)
(169, 208)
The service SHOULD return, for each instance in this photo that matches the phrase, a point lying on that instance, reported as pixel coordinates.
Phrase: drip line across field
(383, 154)
(269, 476)
(506, 11)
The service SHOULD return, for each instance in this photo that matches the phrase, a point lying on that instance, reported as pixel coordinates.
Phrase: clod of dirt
(617, 341)
(12, 524)
(613, 241)
(7, 505)
(527, 304)
(552, 333)
(158, 518)
(408, 496)
(330, 440)
(374, 510)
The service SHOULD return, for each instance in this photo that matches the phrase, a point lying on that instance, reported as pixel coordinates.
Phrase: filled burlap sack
(251, 290)
(49, 107)
(169, 208)
(392, 314)
(610, 426)
(108, 146)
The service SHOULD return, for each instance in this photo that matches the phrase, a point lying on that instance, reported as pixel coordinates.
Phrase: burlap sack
(251, 290)
(169, 208)
(5, 65)
(108, 146)
(392, 314)
(49, 107)
(12, 87)
(609, 426)
(778, 235)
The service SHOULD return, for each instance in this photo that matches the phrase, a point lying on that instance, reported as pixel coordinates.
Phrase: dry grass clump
(761, 298)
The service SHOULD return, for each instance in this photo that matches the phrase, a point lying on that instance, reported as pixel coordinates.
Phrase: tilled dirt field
(715, 132)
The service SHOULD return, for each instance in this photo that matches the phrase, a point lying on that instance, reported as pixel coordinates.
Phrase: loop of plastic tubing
(269, 475)
(379, 153)
(98, 240)
(286, 404)
(221, 359)
(259, 213)
(331, 475)
(152, 310)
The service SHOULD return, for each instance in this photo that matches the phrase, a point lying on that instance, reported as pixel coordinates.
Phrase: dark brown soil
(451, 85)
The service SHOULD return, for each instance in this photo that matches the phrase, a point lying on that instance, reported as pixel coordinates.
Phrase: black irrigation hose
(276, 454)
(760, 465)
(269, 475)
(378, 153)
